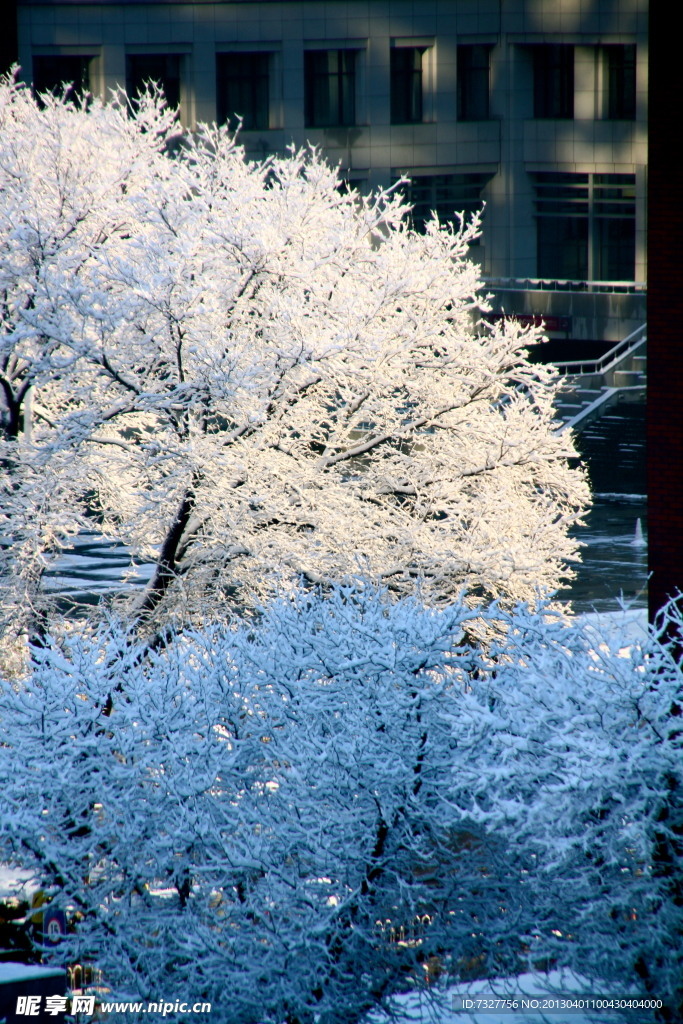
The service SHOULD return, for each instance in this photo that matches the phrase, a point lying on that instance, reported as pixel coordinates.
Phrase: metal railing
(620, 351)
(525, 284)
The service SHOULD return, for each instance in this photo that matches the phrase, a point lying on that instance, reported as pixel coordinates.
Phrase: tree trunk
(165, 571)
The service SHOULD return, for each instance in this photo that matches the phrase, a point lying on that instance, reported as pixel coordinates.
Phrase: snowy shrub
(299, 819)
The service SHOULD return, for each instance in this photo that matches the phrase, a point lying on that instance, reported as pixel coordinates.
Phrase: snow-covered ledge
(29, 980)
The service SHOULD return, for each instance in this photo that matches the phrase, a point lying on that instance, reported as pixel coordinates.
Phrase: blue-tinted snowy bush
(298, 819)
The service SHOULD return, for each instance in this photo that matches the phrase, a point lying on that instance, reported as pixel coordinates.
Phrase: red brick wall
(665, 310)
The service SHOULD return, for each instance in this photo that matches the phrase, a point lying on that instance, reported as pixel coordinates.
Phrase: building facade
(536, 108)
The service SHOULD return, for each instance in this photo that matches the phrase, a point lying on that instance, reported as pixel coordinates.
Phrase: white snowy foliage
(255, 816)
(63, 176)
(253, 376)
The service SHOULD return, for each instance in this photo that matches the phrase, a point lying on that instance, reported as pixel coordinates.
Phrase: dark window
(562, 211)
(162, 68)
(406, 85)
(585, 226)
(615, 250)
(242, 88)
(330, 88)
(446, 195)
(565, 194)
(51, 74)
(473, 83)
(563, 248)
(348, 185)
(614, 226)
(554, 81)
(620, 72)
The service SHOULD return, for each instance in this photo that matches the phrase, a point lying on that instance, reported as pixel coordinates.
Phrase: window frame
(409, 97)
(619, 62)
(553, 86)
(593, 201)
(466, 95)
(258, 117)
(342, 95)
(448, 192)
(80, 89)
(133, 90)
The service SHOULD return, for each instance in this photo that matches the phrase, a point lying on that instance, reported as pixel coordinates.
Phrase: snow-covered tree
(298, 819)
(65, 176)
(253, 817)
(253, 376)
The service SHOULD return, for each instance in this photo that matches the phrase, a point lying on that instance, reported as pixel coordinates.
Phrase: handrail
(563, 285)
(619, 351)
(606, 398)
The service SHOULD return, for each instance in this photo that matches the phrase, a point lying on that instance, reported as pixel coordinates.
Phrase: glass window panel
(615, 249)
(615, 179)
(473, 82)
(617, 189)
(445, 194)
(554, 81)
(406, 85)
(330, 88)
(52, 73)
(162, 68)
(242, 84)
(614, 209)
(563, 248)
(621, 82)
(574, 219)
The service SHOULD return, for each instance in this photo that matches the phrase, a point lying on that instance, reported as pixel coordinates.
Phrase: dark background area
(9, 51)
(664, 314)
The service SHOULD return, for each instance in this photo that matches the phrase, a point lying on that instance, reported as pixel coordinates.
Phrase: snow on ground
(14, 972)
(632, 621)
(418, 1008)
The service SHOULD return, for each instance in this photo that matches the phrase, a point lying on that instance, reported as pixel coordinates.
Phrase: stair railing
(623, 349)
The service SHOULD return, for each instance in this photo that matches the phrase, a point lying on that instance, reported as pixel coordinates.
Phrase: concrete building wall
(509, 147)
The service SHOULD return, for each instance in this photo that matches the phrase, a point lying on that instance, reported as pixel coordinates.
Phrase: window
(242, 87)
(406, 84)
(614, 221)
(352, 182)
(330, 88)
(473, 82)
(563, 248)
(553, 81)
(585, 226)
(51, 74)
(620, 78)
(162, 68)
(562, 204)
(446, 194)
